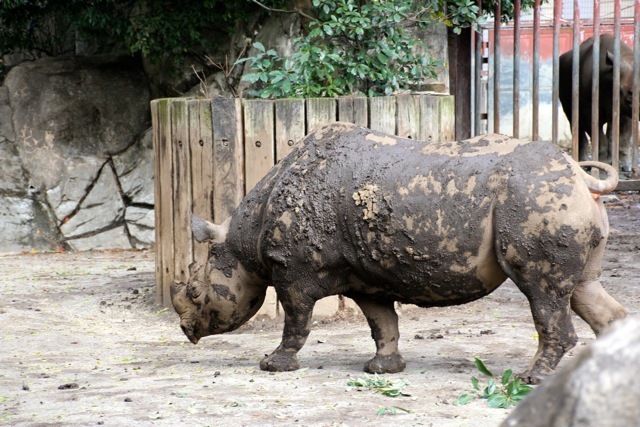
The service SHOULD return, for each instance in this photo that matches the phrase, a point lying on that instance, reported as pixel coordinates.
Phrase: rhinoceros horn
(205, 231)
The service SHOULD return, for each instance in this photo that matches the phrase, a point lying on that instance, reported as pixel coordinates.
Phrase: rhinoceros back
(415, 218)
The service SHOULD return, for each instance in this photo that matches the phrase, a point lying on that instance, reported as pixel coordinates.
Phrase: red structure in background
(546, 38)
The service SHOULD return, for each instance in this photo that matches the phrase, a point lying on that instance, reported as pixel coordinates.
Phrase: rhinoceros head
(219, 296)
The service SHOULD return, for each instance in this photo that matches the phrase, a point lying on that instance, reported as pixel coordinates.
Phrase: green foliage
(383, 386)
(352, 47)
(159, 29)
(508, 391)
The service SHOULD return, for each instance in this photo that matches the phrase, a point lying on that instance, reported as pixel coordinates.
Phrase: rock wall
(78, 155)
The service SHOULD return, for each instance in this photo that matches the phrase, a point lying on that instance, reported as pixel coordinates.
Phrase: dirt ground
(84, 344)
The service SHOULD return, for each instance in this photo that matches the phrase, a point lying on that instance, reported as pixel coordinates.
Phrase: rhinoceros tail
(600, 186)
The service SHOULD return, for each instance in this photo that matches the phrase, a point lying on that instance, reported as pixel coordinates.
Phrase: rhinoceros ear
(205, 231)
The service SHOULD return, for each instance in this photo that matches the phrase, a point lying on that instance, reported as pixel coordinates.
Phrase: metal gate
(516, 71)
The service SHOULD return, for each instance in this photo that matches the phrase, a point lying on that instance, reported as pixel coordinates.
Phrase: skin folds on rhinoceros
(382, 219)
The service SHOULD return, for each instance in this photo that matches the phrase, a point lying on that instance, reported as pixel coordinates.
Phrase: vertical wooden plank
(259, 140)
(428, 107)
(345, 109)
(261, 125)
(361, 111)
(408, 121)
(382, 114)
(183, 255)
(228, 158)
(289, 125)
(157, 197)
(447, 115)
(437, 118)
(320, 111)
(353, 109)
(164, 203)
(201, 146)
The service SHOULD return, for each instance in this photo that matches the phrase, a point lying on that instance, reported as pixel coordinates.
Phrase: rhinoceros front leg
(383, 322)
(298, 308)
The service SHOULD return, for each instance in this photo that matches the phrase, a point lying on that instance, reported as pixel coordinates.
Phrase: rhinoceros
(381, 219)
(605, 115)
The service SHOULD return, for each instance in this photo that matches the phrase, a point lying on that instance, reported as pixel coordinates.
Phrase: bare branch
(295, 10)
(203, 84)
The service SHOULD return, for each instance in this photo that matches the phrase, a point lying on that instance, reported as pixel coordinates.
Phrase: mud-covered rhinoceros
(382, 219)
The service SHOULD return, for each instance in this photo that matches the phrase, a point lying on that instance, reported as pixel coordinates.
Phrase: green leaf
(506, 376)
(490, 389)
(251, 78)
(483, 369)
(464, 399)
(259, 46)
(474, 382)
(497, 400)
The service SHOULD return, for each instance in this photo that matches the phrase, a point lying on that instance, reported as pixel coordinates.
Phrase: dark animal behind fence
(605, 115)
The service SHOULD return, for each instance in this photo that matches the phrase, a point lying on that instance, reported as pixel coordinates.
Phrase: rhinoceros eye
(192, 292)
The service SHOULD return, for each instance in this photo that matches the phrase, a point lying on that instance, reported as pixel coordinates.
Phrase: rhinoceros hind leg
(595, 306)
(556, 335)
(383, 322)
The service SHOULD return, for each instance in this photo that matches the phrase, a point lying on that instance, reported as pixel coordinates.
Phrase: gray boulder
(596, 389)
(76, 142)
(73, 107)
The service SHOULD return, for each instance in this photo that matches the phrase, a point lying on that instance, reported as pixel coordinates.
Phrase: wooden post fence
(210, 152)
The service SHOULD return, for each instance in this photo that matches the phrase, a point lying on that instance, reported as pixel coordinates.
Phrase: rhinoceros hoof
(279, 362)
(531, 377)
(385, 364)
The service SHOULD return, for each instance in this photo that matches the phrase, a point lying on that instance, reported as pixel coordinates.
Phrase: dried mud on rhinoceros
(382, 219)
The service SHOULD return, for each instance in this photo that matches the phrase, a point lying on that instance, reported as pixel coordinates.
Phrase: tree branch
(295, 10)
